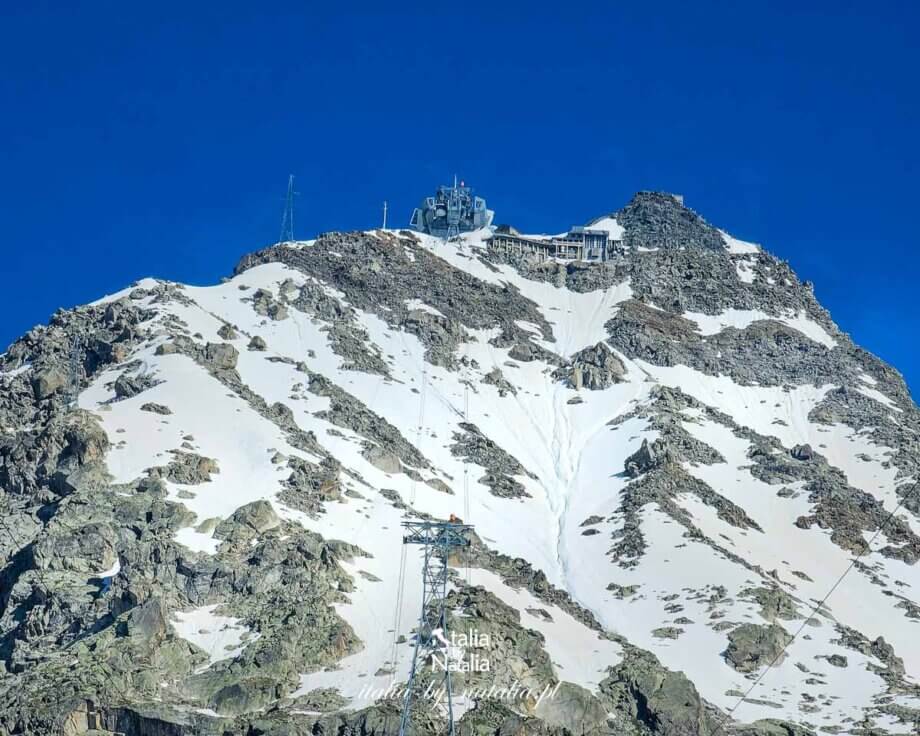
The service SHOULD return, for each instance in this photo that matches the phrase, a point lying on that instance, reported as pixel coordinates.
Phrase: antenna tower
(384, 214)
(453, 211)
(437, 539)
(287, 219)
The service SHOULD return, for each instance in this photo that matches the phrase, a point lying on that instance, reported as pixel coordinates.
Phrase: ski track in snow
(577, 459)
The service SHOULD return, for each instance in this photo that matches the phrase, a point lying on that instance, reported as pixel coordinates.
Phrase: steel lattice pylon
(287, 219)
(437, 538)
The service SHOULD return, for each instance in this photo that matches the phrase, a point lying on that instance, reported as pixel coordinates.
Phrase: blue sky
(156, 139)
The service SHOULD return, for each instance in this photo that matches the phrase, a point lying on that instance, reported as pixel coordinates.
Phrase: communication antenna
(287, 219)
(437, 539)
(384, 214)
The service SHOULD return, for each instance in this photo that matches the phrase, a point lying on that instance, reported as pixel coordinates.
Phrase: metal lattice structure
(437, 538)
(451, 211)
(287, 219)
(73, 379)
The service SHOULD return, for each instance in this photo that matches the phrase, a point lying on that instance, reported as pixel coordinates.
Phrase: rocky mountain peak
(667, 459)
(661, 220)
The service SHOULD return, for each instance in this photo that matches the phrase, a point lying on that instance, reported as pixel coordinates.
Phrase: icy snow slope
(675, 453)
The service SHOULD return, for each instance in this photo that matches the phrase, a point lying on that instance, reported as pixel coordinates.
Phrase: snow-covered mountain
(669, 459)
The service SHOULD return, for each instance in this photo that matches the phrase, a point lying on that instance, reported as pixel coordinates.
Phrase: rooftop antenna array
(437, 539)
(287, 219)
(453, 211)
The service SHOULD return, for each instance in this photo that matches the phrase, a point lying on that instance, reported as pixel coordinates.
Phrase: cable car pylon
(437, 539)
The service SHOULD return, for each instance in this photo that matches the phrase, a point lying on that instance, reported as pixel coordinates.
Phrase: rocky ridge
(177, 586)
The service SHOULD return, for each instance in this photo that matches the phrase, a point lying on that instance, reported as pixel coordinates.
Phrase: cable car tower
(437, 538)
(73, 374)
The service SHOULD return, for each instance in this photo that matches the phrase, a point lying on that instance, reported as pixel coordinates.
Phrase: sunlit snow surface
(575, 451)
(221, 637)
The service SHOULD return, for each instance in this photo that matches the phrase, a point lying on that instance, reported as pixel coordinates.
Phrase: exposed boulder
(647, 457)
(309, 486)
(87, 550)
(573, 708)
(594, 368)
(48, 381)
(665, 703)
(752, 646)
(252, 519)
(382, 459)
(802, 452)
(496, 378)
(221, 355)
(251, 694)
(147, 622)
(127, 386)
(186, 468)
(257, 344)
(154, 408)
(227, 332)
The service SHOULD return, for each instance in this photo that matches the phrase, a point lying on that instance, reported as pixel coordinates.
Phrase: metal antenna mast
(384, 214)
(287, 219)
(437, 538)
(454, 214)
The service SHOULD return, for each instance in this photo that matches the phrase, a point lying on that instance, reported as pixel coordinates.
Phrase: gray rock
(500, 467)
(802, 452)
(48, 381)
(222, 356)
(752, 646)
(594, 368)
(496, 378)
(156, 408)
(382, 459)
(227, 332)
(148, 621)
(658, 700)
(257, 343)
(127, 386)
(647, 457)
(187, 468)
(257, 517)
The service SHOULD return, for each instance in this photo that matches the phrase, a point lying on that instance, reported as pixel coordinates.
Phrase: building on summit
(453, 210)
(578, 244)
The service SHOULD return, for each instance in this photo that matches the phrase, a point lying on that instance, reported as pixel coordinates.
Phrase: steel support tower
(437, 538)
(73, 378)
(287, 219)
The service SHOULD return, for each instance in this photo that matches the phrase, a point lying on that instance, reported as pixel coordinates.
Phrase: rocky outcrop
(310, 486)
(346, 411)
(647, 698)
(186, 468)
(94, 582)
(752, 646)
(594, 368)
(381, 273)
(648, 457)
(659, 220)
(496, 378)
(500, 467)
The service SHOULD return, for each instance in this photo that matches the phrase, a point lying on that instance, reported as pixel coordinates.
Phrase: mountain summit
(692, 496)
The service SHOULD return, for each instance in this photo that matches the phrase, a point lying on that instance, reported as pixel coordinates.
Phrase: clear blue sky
(156, 138)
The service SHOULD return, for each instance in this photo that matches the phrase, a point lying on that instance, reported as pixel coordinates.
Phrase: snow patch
(222, 637)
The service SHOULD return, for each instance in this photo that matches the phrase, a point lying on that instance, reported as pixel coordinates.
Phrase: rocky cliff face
(669, 459)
